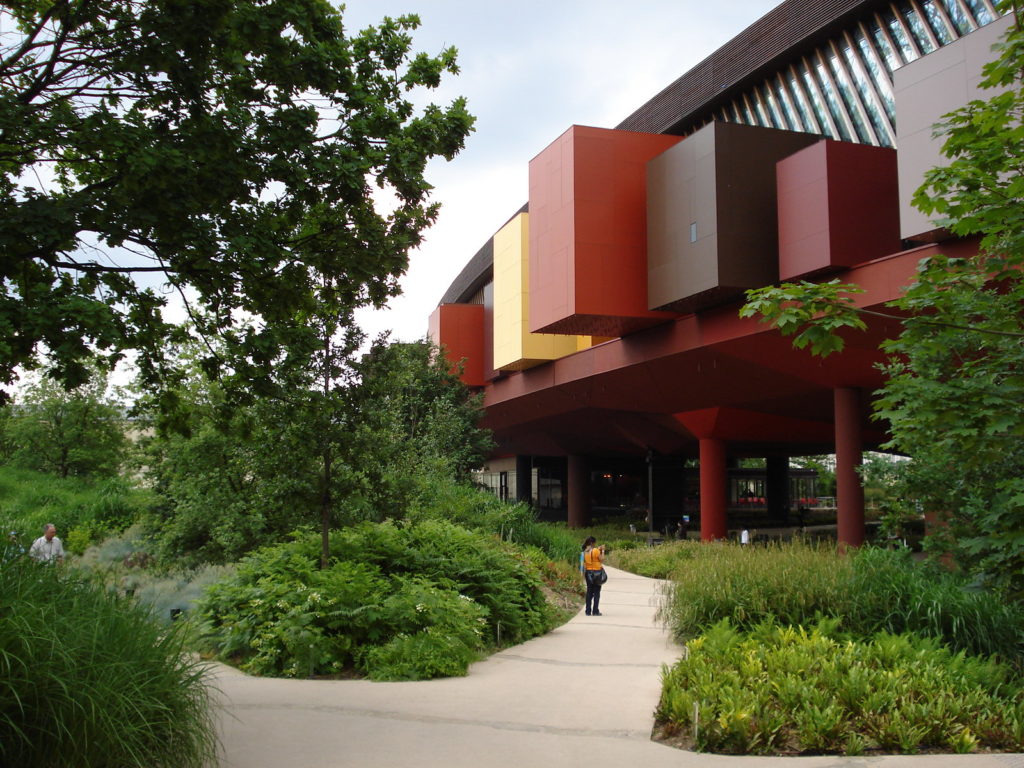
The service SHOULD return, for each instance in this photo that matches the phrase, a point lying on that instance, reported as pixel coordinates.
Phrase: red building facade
(616, 348)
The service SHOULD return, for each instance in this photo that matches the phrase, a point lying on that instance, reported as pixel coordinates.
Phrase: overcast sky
(530, 69)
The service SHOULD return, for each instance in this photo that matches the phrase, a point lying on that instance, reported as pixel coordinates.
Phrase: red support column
(713, 486)
(578, 486)
(849, 447)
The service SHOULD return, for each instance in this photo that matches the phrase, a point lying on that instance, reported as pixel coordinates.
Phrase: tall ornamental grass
(792, 582)
(659, 562)
(868, 591)
(891, 592)
(87, 679)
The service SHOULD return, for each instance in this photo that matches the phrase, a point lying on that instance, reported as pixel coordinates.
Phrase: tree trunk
(325, 512)
(325, 497)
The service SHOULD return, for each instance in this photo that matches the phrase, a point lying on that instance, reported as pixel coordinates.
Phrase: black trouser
(593, 590)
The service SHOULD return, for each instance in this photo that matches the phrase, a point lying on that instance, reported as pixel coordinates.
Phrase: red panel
(849, 445)
(738, 424)
(459, 329)
(588, 233)
(838, 207)
(713, 484)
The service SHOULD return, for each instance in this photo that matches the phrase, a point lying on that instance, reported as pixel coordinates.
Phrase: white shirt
(46, 551)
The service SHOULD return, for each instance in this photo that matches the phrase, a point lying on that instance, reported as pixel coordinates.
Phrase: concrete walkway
(582, 695)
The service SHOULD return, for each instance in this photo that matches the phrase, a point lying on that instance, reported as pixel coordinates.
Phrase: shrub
(450, 590)
(788, 689)
(279, 615)
(480, 510)
(87, 679)
(495, 574)
(437, 633)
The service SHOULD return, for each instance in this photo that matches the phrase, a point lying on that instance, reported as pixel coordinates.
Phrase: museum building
(601, 321)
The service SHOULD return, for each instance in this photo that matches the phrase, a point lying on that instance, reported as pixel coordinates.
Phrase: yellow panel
(585, 342)
(515, 348)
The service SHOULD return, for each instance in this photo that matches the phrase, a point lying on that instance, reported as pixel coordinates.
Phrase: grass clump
(398, 602)
(659, 562)
(900, 656)
(790, 690)
(793, 582)
(86, 678)
(797, 583)
(889, 591)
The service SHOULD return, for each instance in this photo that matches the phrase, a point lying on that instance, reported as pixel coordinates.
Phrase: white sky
(530, 69)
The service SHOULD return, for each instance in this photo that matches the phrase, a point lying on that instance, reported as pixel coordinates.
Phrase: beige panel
(925, 90)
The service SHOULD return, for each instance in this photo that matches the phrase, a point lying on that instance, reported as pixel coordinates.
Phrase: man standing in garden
(47, 547)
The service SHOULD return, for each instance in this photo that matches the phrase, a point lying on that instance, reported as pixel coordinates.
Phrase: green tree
(955, 374)
(417, 420)
(242, 154)
(360, 445)
(81, 432)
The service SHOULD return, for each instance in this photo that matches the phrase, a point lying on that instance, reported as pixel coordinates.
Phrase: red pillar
(578, 486)
(849, 447)
(713, 485)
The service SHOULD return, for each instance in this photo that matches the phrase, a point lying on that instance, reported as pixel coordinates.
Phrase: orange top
(592, 559)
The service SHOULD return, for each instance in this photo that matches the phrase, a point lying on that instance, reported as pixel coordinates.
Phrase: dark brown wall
(722, 178)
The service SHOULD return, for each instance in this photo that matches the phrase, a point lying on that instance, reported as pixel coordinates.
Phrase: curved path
(582, 695)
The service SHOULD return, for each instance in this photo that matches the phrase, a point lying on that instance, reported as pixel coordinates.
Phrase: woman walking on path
(592, 565)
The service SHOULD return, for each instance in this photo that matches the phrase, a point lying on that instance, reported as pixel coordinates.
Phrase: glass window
(757, 110)
(748, 116)
(917, 29)
(981, 12)
(835, 108)
(814, 92)
(901, 39)
(849, 98)
(875, 66)
(961, 21)
(772, 107)
(802, 103)
(882, 43)
(937, 21)
(869, 98)
(786, 102)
